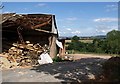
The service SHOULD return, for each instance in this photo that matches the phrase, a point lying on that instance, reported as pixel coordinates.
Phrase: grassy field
(84, 41)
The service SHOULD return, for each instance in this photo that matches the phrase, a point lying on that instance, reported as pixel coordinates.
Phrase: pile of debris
(112, 67)
(22, 54)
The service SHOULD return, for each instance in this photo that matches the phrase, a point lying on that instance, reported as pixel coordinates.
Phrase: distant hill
(86, 37)
(99, 37)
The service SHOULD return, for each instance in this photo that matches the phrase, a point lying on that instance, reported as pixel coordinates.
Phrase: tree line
(110, 45)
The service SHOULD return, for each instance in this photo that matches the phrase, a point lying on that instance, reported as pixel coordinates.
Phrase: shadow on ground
(78, 71)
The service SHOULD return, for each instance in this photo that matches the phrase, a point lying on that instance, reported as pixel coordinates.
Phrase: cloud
(6, 12)
(103, 29)
(62, 32)
(68, 29)
(40, 5)
(71, 18)
(106, 20)
(76, 32)
(9, 12)
(70, 32)
(112, 7)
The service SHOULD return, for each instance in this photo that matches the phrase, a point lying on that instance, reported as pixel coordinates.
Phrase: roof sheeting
(40, 22)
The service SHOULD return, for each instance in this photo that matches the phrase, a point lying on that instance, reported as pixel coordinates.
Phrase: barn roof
(39, 22)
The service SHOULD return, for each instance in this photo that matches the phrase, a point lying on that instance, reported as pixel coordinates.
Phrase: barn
(33, 28)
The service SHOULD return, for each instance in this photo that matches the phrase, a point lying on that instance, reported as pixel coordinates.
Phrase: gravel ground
(81, 70)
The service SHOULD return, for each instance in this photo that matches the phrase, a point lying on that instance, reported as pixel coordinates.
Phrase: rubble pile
(24, 54)
(112, 67)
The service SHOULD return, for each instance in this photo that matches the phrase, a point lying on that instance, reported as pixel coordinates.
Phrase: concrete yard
(80, 70)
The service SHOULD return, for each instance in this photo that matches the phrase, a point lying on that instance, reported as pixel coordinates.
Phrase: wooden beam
(1, 55)
(53, 48)
(40, 25)
(43, 30)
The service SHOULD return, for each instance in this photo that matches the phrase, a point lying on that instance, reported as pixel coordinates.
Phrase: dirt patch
(79, 56)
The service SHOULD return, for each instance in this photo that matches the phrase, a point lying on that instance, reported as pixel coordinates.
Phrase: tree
(75, 39)
(75, 44)
(113, 41)
(109, 45)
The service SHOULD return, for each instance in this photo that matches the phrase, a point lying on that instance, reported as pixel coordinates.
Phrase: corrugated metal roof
(41, 22)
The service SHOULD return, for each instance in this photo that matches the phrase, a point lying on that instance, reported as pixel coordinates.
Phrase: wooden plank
(43, 30)
(1, 55)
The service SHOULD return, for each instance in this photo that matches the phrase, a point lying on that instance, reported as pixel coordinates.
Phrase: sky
(73, 18)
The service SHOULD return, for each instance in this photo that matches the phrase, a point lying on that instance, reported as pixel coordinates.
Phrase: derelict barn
(35, 28)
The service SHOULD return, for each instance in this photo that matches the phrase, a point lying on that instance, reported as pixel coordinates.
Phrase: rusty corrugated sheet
(29, 21)
(36, 28)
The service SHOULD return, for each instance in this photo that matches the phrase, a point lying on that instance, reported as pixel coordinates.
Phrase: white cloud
(62, 32)
(106, 20)
(69, 33)
(105, 28)
(101, 31)
(71, 18)
(40, 5)
(76, 32)
(6, 12)
(9, 12)
(112, 7)
(68, 29)
(64, 26)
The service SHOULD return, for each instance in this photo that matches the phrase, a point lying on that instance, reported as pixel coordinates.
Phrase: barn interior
(36, 28)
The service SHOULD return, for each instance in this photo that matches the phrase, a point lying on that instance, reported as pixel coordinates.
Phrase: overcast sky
(73, 18)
